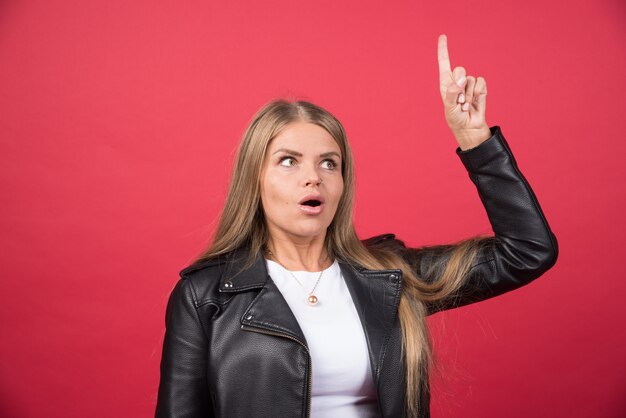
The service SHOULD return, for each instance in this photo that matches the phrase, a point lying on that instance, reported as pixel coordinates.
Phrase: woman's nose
(312, 177)
(314, 181)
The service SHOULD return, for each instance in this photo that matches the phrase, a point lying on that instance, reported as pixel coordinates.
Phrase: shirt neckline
(326, 270)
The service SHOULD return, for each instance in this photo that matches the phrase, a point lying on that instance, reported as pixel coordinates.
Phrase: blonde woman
(289, 314)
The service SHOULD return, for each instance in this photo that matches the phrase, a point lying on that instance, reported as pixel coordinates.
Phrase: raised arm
(523, 246)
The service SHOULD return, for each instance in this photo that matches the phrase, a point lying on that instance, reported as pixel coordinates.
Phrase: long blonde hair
(242, 223)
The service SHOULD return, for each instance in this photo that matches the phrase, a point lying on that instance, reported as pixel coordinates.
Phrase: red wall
(118, 124)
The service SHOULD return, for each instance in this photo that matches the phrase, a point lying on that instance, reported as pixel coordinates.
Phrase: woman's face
(301, 182)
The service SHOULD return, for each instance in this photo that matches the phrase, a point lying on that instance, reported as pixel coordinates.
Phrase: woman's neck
(303, 255)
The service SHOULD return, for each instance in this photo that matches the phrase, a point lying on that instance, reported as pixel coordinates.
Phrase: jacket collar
(237, 278)
(375, 293)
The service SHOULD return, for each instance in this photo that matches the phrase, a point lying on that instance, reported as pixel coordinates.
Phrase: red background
(118, 125)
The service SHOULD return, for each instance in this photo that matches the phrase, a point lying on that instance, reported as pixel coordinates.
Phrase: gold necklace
(312, 299)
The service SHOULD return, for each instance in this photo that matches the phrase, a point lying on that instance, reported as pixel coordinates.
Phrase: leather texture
(233, 348)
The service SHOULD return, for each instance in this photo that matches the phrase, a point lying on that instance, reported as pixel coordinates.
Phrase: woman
(289, 314)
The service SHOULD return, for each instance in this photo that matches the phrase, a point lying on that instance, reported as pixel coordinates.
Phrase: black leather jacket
(233, 348)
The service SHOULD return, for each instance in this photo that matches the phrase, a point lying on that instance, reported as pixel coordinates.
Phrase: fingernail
(461, 81)
(465, 106)
(461, 98)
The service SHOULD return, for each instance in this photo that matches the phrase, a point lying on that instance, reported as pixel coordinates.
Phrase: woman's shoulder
(202, 266)
(415, 257)
(205, 275)
(384, 242)
(387, 246)
(214, 264)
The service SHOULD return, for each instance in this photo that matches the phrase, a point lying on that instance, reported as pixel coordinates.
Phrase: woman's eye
(287, 161)
(329, 164)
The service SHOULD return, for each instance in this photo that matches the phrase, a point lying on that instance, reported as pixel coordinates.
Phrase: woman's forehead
(304, 136)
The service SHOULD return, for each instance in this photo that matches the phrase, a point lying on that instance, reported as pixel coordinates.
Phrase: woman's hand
(464, 100)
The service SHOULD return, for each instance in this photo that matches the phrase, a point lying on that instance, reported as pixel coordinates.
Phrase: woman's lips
(312, 210)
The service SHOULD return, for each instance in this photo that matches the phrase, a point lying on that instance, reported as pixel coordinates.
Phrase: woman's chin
(306, 232)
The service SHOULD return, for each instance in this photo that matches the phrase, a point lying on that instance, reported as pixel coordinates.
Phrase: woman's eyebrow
(299, 154)
(288, 151)
(330, 154)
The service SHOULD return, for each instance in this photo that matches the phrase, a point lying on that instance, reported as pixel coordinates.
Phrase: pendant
(312, 300)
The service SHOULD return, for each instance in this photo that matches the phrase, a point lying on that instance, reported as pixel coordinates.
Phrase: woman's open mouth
(312, 206)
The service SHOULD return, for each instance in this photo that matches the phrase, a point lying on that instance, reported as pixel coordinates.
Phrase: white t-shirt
(342, 377)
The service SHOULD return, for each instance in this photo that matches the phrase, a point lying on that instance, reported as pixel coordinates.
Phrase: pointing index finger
(444, 58)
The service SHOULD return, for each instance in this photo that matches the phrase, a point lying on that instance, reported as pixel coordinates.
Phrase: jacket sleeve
(523, 247)
(183, 389)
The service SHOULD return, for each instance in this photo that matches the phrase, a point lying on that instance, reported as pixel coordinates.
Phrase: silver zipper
(264, 331)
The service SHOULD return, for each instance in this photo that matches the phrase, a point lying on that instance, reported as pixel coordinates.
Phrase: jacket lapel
(269, 309)
(376, 295)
